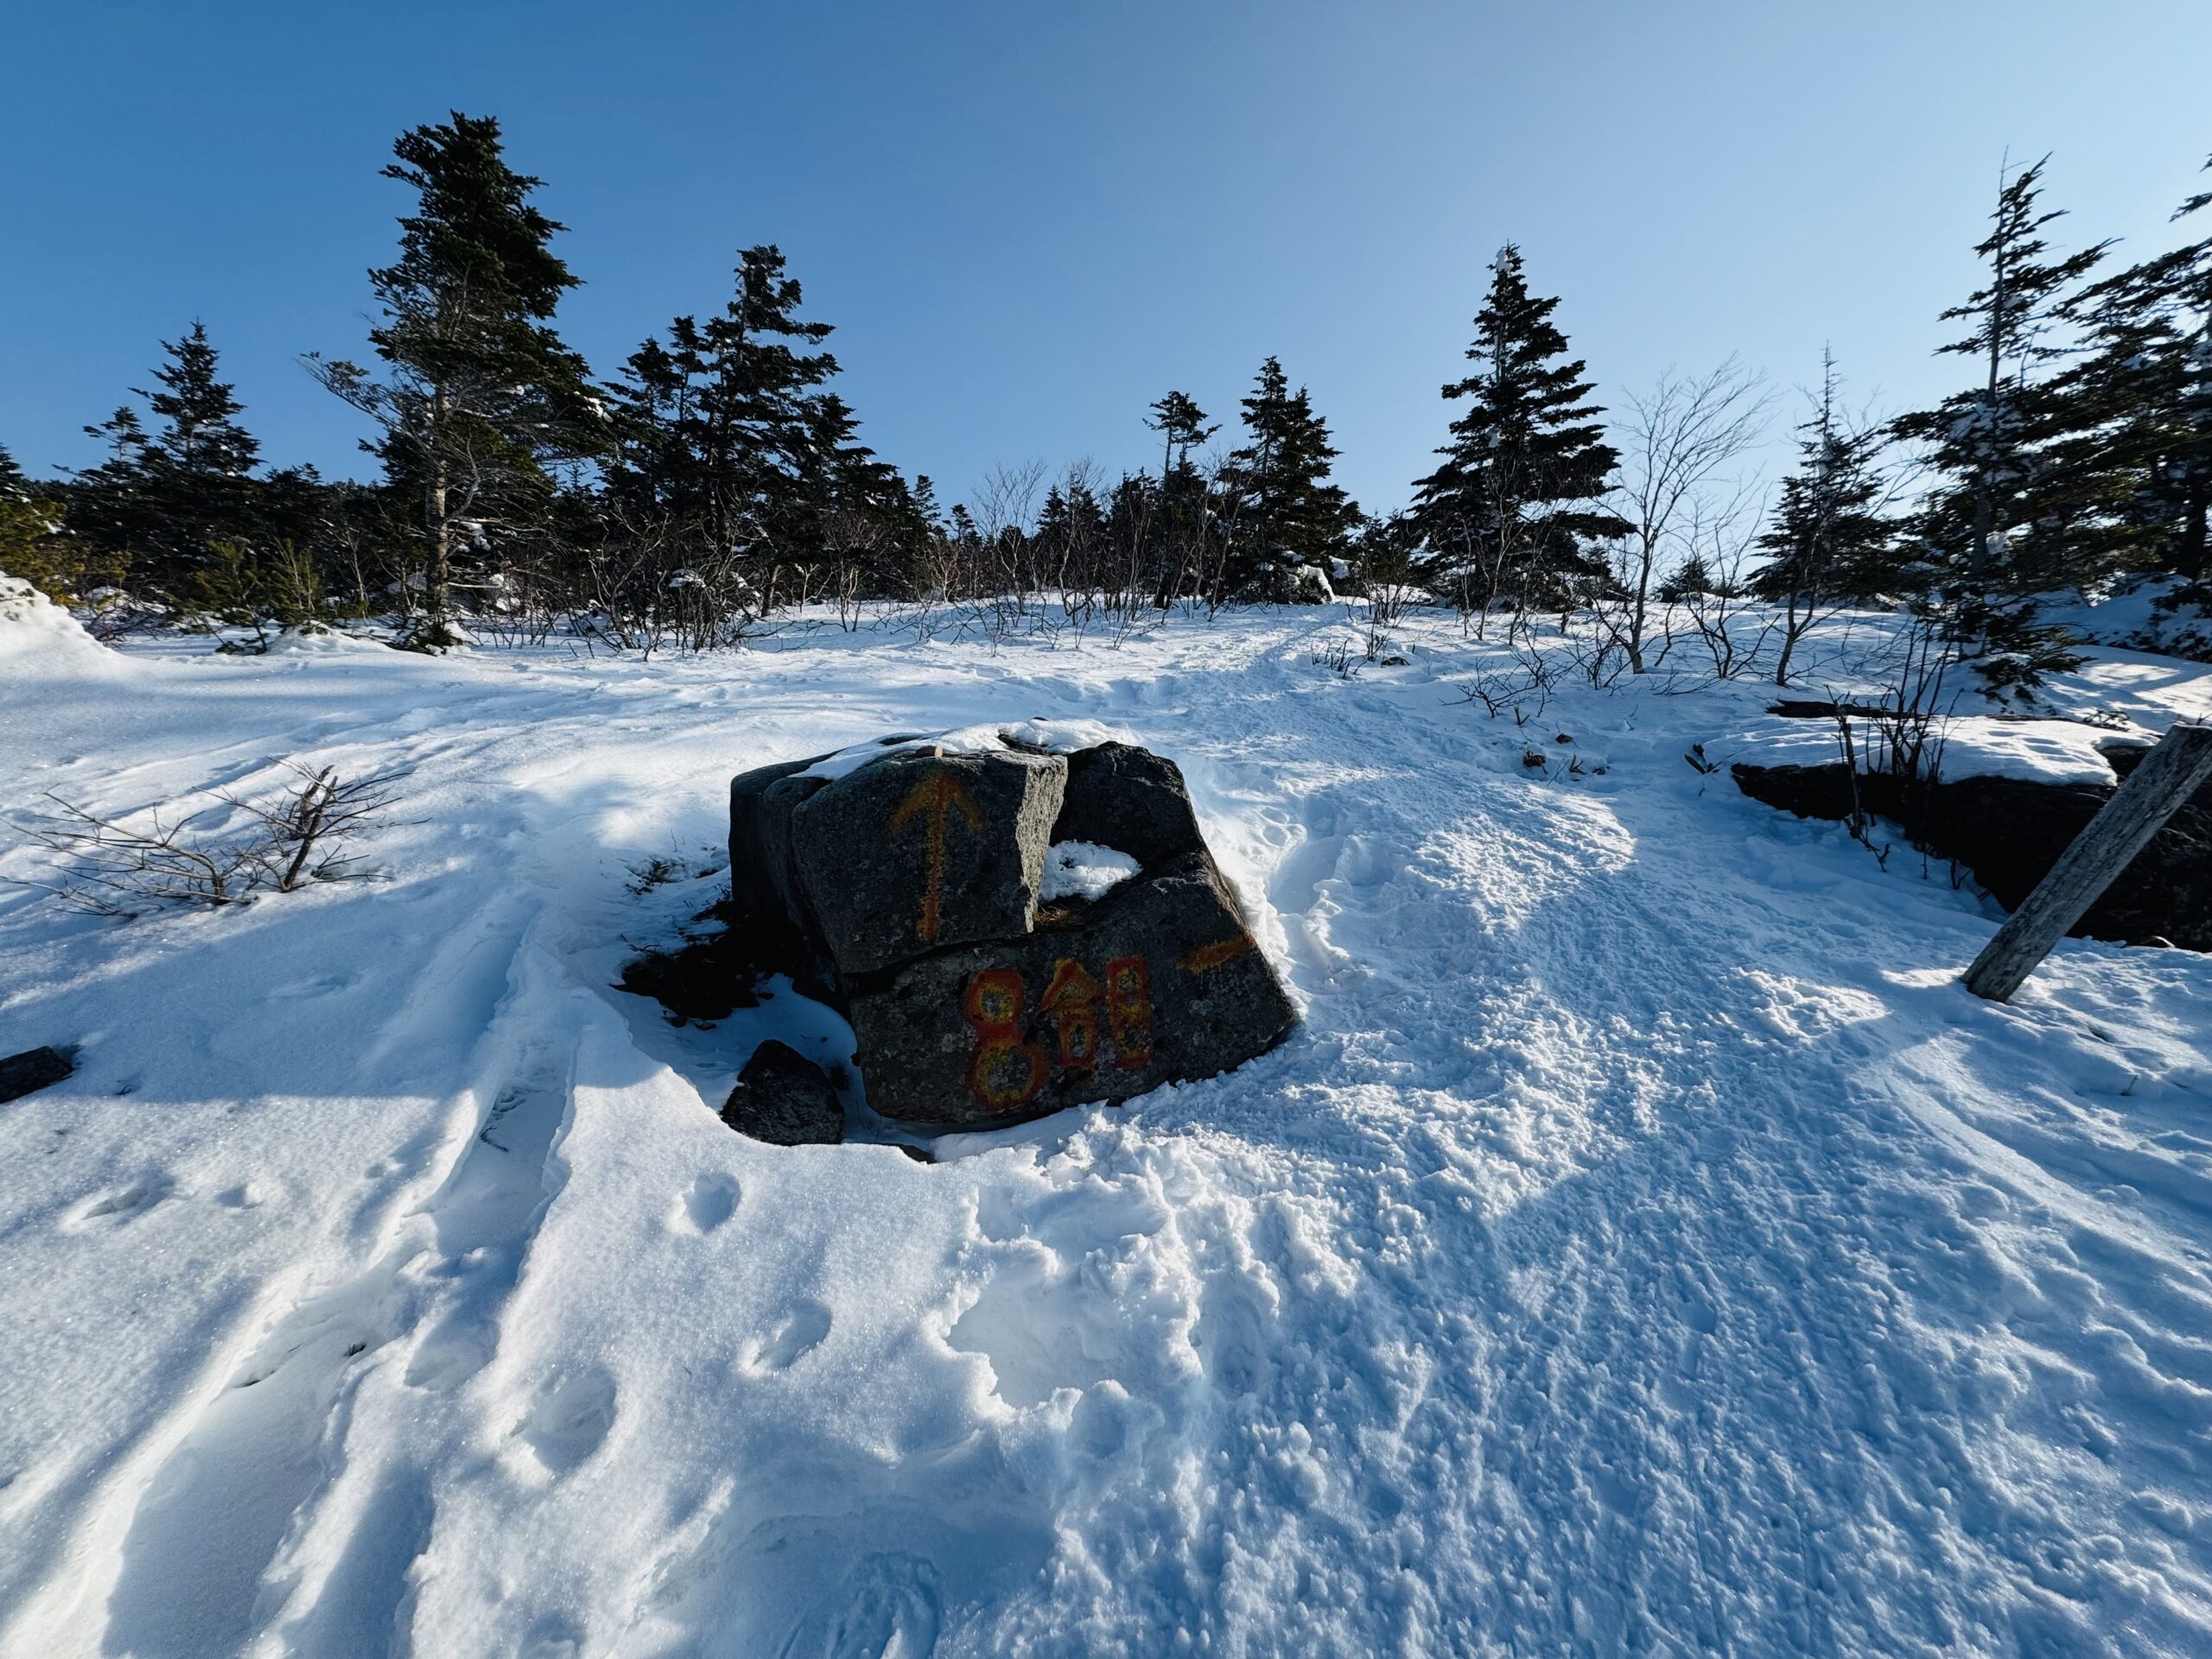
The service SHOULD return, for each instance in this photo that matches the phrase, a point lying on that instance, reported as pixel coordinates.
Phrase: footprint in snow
(568, 1420)
(799, 1335)
(711, 1201)
(120, 1203)
(329, 985)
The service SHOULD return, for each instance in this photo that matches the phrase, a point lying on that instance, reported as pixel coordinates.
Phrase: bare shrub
(1533, 678)
(1721, 538)
(1678, 438)
(305, 835)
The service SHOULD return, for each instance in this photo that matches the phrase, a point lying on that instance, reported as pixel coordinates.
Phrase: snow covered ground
(1643, 1246)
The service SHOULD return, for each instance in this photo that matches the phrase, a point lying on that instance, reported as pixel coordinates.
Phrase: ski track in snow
(1644, 1247)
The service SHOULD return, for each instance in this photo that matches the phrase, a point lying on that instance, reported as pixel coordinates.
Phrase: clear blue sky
(1028, 221)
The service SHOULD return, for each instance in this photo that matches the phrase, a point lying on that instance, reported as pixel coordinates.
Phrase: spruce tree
(2011, 517)
(2149, 381)
(1827, 541)
(1182, 426)
(36, 544)
(1513, 512)
(478, 396)
(1072, 535)
(164, 498)
(726, 422)
(1275, 487)
(1176, 518)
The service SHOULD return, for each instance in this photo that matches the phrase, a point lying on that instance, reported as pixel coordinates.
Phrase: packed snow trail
(1643, 1246)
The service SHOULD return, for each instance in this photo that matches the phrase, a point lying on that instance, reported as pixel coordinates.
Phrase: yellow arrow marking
(1209, 956)
(934, 797)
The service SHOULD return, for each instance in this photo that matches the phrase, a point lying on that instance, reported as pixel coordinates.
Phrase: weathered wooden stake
(2153, 792)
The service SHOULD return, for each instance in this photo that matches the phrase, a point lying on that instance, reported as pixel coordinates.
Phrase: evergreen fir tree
(1072, 534)
(854, 508)
(1182, 426)
(162, 499)
(725, 424)
(1692, 579)
(1176, 522)
(1827, 541)
(2011, 516)
(2149, 381)
(1512, 512)
(1275, 488)
(200, 436)
(479, 396)
(37, 545)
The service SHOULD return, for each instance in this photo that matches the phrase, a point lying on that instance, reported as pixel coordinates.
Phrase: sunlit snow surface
(1082, 869)
(1643, 1246)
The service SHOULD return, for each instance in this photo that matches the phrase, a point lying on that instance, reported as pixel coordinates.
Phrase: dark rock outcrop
(1132, 800)
(2007, 832)
(783, 1098)
(914, 879)
(33, 1070)
(918, 852)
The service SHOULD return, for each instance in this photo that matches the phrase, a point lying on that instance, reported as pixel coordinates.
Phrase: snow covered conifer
(1827, 541)
(163, 498)
(725, 432)
(1283, 510)
(36, 544)
(2009, 520)
(2149, 382)
(1178, 525)
(1513, 512)
(479, 395)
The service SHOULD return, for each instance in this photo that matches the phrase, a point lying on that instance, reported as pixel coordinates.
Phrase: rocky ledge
(2008, 831)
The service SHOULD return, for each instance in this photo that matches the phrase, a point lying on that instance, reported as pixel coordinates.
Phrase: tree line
(717, 477)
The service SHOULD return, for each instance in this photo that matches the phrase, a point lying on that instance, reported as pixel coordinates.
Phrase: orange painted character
(1072, 1000)
(1005, 1071)
(1128, 1011)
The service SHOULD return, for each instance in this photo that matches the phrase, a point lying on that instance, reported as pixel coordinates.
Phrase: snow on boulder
(1084, 870)
(2033, 750)
(36, 635)
(1011, 927)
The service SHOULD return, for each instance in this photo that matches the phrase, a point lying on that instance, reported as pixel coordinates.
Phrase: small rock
(782, 1098)
(33, 1070)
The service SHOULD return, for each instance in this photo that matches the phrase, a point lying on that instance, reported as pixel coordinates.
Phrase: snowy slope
(1643, 1246)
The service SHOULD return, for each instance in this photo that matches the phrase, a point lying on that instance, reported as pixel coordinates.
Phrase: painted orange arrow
(934, 797)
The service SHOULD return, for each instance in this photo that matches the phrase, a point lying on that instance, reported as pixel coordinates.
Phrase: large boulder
(759, 876)
(918, 851)
(913, 879)
(1160, 980)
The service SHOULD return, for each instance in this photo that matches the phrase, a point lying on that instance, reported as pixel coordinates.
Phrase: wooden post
(2154, 791)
